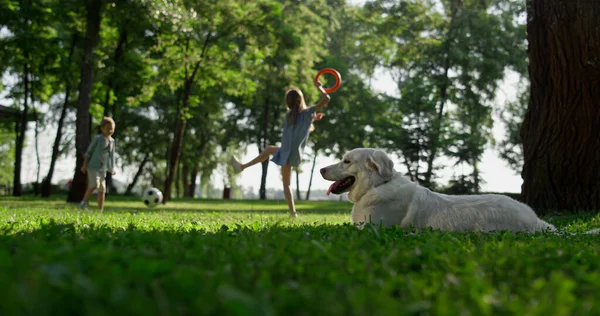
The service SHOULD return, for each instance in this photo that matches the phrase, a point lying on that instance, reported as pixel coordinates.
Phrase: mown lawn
(198, 257)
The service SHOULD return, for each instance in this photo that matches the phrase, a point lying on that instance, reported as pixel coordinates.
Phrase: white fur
(384, 196)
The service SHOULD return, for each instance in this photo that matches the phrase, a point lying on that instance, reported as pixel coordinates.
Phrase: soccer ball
(152, 197)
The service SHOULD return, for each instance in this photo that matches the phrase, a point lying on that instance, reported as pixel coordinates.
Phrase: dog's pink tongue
(331, 187)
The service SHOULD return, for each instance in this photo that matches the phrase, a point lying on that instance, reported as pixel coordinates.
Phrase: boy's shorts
(97, 179)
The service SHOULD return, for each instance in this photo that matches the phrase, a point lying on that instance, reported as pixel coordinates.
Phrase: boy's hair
(105, 121)
(294, 101)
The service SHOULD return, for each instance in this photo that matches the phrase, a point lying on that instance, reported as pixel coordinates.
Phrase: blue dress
(294, 138)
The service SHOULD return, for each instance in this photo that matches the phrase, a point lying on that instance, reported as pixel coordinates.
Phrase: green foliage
(448, 58)
(240, 257)
(7, 152)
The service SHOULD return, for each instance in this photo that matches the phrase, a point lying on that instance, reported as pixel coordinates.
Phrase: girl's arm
(324, 97)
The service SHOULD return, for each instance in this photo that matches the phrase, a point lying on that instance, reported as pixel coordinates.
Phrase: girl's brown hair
(294, 101)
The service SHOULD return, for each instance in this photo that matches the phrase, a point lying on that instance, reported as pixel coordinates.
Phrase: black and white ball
(152, 197)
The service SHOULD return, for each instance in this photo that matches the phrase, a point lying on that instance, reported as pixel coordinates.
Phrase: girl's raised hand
(319, 116)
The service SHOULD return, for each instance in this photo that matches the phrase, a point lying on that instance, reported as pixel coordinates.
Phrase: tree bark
(83, 136)
(560, 131)
(21, 129)
(137, 175)
(193, 179)
(47, 184)
(312, 172)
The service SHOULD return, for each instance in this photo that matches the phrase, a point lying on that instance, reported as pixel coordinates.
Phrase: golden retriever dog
(383, 196)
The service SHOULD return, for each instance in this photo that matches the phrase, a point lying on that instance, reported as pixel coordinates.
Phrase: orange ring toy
(336, 74)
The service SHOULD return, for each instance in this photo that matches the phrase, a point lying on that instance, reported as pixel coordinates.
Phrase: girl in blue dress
(296, 128)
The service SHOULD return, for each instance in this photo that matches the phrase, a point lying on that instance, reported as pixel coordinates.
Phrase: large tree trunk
(560, 132)
(21, 128)
(312, 172)
(82, 139)
(47, 184)
(137, 175)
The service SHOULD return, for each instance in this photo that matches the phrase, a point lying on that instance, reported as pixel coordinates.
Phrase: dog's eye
(346, 161)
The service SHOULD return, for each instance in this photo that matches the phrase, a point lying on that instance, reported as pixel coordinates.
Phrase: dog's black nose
(323, 170)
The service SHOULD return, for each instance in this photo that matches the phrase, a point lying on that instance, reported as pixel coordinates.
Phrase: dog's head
(360, 170)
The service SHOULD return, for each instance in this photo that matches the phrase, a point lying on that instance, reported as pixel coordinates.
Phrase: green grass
(197, 257)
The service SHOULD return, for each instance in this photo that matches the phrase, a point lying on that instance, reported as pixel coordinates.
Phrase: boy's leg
(101, 185)
(264, 155)
(286, 173)
(101, 200)
(91, 186)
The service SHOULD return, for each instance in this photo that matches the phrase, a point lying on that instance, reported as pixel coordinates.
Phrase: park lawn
(199, 257)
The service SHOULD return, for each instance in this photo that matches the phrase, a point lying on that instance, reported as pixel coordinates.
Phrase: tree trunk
(178, 182)
(21, 128)
(185, 174)
(298, 197)
(82, 139)
(476, 176)
(47, 185)
(175, 153)
(263, 179)
(180, 130)
(36, 185)
(444, 85)
(265, 143)
(561, 142)
(137, 175)
(312, 172)
(110, 108)
(193, 179)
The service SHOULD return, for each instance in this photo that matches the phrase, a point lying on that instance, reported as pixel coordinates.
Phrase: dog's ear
(381, 163)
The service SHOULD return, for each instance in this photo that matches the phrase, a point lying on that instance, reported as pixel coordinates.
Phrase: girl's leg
(264, 155)
(286, 173)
